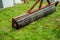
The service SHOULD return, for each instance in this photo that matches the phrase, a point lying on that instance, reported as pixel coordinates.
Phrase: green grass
(47, 28)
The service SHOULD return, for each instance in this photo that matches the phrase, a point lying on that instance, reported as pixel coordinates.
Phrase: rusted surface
(33, 6)
(41, 1)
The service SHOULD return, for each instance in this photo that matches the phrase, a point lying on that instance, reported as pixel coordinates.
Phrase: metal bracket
(41, 1)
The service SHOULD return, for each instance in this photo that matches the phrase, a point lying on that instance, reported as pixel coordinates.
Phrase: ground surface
(47, 28)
